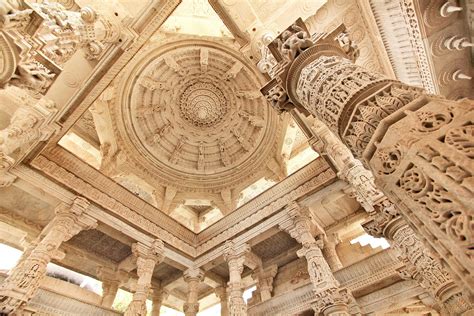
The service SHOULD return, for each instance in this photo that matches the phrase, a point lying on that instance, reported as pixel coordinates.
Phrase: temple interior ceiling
(163, 131)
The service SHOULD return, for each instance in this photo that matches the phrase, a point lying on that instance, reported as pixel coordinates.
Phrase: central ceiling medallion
(203, 104)
(191, 116)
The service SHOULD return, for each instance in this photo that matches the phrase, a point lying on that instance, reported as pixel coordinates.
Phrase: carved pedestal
(24, 280)
(147, 257)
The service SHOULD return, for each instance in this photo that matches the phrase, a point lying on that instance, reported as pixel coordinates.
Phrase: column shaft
(193, 277)
(147, 257)
(235, 259)
(221, 293)
(24, 280)
(328, 294)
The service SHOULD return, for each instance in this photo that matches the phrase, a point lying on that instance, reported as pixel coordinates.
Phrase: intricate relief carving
(328, 83)
(49, 29)
(147, 257)
(204, 131)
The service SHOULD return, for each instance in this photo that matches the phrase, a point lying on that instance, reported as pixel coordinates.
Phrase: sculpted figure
(294, 42)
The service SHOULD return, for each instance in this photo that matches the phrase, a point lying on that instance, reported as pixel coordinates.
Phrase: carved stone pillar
(264, 279)
(24, 280)
(330, 253)
(235, 257)
(147, 257)
(417, 145)
(111, 280)
(192, 276)
(421, 261)
(157, 297)
(331, 299)
(221, 293)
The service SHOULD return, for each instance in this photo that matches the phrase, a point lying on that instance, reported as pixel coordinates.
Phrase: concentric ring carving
(191, 116)
(203, 104)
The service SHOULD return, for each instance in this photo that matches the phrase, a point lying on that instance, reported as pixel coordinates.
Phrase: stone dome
(191, 116)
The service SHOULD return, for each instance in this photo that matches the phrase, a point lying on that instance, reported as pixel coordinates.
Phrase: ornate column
(24, 280)
(147, 257)
(417, 145)
(193, 276)
(330, 253)
(235, 257)
(264, 279)
(386, 221)
(330, 298)
(221, 293)
(111, 280)
(158, 295)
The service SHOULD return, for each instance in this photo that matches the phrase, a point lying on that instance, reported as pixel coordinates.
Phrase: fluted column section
(330, 299)
(193, 276)
(221, 293)
(235, 257)
(24, 280)
(147, 258)
(417, 145)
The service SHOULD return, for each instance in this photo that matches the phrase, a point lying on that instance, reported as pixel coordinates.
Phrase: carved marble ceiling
(191, 111)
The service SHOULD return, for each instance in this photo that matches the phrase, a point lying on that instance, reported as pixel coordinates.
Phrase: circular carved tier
(191, 116)
(203, 104)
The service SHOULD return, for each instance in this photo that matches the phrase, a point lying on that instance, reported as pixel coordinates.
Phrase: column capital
(385, 221)
(332, 300)
(190, 308)
(154, 252)
(74, 217)
(193, 274)
(234, 251)
(221, 292)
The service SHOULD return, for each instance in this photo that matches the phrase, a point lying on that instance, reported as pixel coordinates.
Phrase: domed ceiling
(190, 119)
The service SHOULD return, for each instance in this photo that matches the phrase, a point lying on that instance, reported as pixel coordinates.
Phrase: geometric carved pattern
(96, 242)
